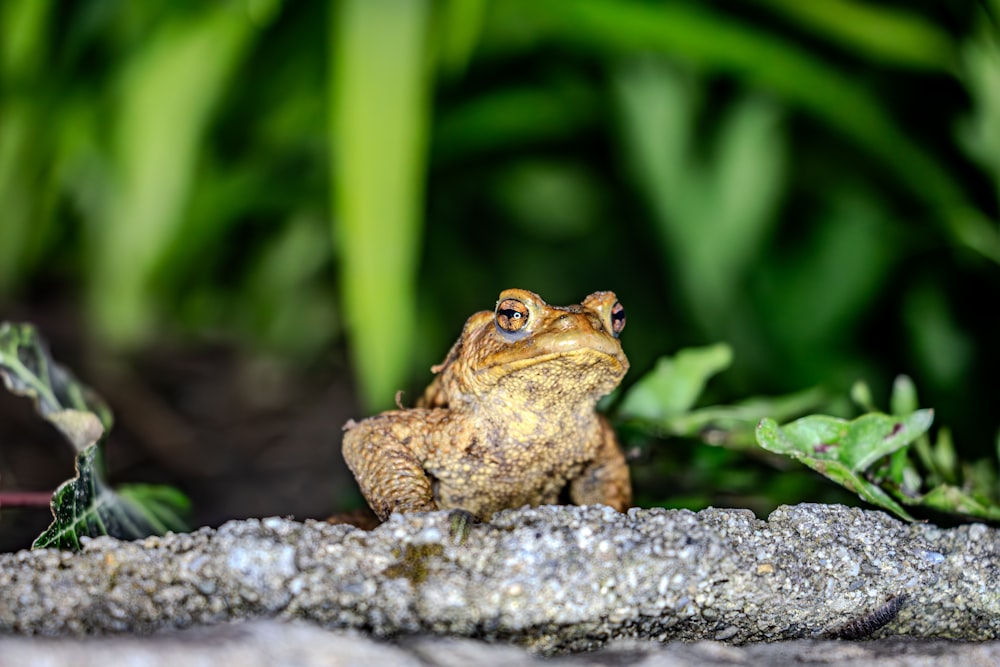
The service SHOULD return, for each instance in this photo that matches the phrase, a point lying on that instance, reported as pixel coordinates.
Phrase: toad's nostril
(564, 321)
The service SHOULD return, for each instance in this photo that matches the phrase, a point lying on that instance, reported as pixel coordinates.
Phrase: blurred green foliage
(814, 183)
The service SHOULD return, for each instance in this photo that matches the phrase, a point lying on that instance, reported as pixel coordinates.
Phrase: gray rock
(266, 643)
(552, 578)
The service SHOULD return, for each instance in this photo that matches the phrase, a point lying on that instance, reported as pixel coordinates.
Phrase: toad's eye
(617, 318)
(511, 315)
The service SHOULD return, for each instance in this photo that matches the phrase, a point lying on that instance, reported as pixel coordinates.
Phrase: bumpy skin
(510, 418)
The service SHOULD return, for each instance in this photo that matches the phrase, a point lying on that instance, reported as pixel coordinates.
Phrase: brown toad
(510, 418)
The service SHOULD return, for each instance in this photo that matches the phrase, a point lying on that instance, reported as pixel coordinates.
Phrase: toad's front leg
(386, 454)
(606, 480)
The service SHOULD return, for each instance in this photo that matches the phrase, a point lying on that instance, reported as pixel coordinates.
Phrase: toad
(509, 419)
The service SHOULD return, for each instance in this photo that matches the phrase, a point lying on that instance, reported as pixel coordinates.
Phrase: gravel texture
(553, 579)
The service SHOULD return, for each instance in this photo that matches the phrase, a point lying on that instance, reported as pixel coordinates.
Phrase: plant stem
(25, 498)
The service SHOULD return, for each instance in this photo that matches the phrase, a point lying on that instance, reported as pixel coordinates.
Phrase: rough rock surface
(266, 643)
(552, 578)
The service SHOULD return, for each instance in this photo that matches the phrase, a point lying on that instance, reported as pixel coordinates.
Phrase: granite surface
(551, 579)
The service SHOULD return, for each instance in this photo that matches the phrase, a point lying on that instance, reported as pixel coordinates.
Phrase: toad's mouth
(577, 355)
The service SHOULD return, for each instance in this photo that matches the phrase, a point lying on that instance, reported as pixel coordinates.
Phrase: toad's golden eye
(511, 315)
(617, 318)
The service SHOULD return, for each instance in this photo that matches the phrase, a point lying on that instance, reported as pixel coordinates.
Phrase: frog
(509, 419)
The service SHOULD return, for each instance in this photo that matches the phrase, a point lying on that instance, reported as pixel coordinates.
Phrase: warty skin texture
(509, 419)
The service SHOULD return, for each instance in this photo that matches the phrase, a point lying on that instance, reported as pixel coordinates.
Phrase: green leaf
(87, 506)
(857, 443)
(661, 401)
(84, 505)
(904, 400)
(945, 459)
(861, 394)
(163, 507)
(27, 369)
(904, 396)
(948, 498)
(379, 103)
(843, 450)
(894, 36)
(733, 425)
(672, 387)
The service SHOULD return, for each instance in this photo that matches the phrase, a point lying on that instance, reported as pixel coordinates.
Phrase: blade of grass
(379, 96)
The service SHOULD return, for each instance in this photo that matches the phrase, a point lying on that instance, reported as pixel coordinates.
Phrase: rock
(553, 579)
(264, 643)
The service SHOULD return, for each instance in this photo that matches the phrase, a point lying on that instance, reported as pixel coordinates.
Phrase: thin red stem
(25, 498)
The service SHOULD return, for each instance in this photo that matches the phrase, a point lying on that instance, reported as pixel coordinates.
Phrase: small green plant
(84, 505)
(846, 451)
(662, 401)
(888, 459)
